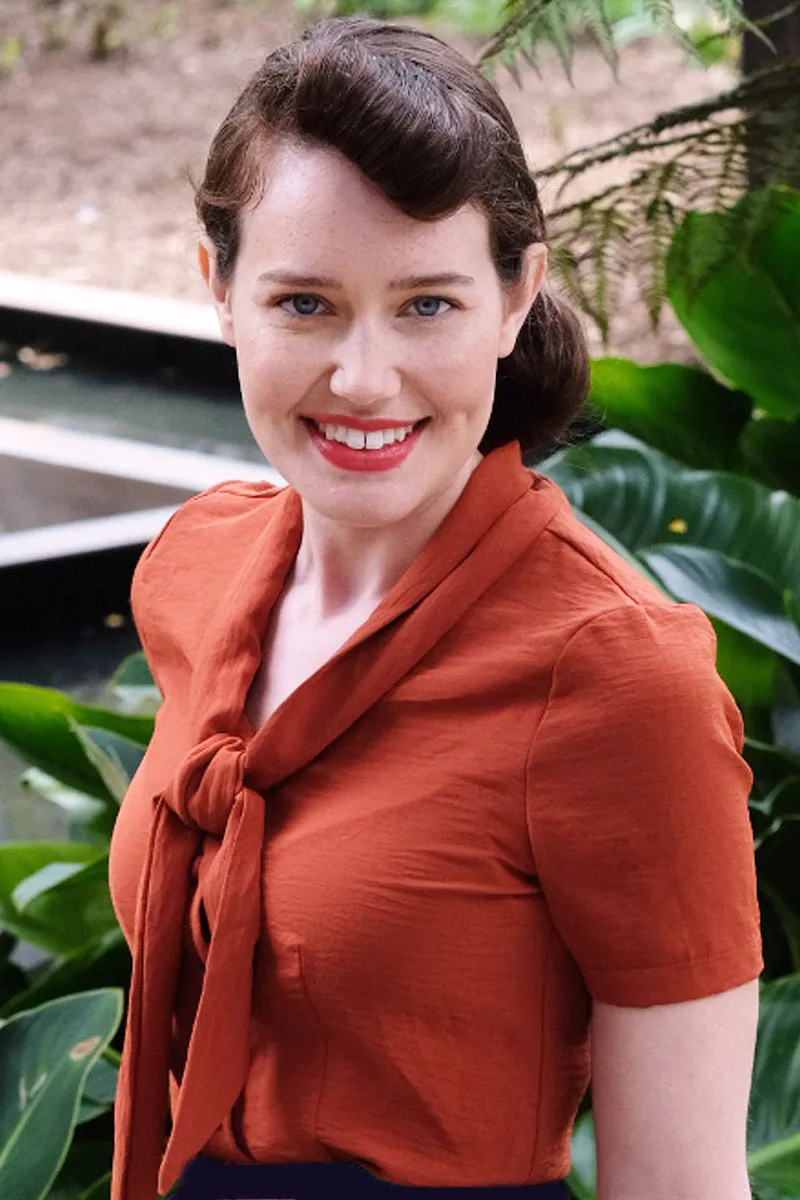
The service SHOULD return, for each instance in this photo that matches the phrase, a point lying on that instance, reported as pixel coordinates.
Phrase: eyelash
(310, 295)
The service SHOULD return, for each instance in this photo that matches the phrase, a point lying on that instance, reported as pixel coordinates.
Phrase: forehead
(314, 198)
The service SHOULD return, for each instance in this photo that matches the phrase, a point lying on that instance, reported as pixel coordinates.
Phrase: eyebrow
(407, 283)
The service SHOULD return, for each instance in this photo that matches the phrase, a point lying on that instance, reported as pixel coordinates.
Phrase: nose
(364, 370)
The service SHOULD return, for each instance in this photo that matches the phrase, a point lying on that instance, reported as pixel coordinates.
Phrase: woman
(441, 787)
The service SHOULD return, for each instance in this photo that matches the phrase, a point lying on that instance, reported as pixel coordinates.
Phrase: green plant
(57, 1020)
(54, 1080)
(696, 156)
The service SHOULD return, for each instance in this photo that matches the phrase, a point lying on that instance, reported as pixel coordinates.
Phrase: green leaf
(86, 1168)
(114, 758)
(66, 915)
(770, 765)
(13, 979)
(35, 722)
(646, 499)
(680, 410)
(749, 669)
(77, 804)
(47, 1055)
(773, 1140)
(734, 283)
(99, 1091)
(133, 688)
(738, 594)
(771, 449)
(582, 1179)
(618, 547)
(779, 880)
(103, 962)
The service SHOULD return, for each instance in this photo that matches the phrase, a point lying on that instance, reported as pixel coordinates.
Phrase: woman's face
(367, 342)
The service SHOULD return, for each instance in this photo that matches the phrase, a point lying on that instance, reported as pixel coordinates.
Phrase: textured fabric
(371, 930)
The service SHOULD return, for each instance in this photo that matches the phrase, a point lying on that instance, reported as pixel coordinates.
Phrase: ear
(518, 297)
(220, 291)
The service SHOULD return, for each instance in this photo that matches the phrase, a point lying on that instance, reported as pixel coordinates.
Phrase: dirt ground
(95, 156)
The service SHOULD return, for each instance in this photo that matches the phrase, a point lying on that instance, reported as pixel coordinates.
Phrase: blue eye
(427, 301)
(304, 304)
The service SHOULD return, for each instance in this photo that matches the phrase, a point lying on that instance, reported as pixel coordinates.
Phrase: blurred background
(108, 109)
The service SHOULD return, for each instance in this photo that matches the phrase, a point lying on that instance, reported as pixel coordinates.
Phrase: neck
(342, 567)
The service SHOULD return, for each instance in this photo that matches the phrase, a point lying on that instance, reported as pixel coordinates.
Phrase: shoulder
(218, 511)
(620, 646)
(183, 569)
(233, 508)
(596, 606)
(583, 569)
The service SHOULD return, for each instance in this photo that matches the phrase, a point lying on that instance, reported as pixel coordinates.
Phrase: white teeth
(356, 439)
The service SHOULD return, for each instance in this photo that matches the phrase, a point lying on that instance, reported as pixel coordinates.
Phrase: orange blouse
(371, 930)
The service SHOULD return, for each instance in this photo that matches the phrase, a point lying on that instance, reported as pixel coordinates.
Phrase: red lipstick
(367, 424)
(349, 459)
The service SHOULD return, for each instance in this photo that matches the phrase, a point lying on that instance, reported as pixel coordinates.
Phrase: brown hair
(424, 125)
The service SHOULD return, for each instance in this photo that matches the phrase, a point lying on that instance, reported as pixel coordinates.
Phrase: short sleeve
(637, 809)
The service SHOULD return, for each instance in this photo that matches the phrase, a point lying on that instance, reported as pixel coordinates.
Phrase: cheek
(273, 367)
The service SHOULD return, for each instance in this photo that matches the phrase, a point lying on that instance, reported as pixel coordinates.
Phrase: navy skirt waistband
(207, 1178)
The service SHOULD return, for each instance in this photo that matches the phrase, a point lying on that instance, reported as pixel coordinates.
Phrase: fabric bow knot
(208, 794)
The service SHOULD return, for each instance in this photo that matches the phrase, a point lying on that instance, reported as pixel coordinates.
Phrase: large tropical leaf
(742, 310)
(777, 856)
(85, 1173)
(98, 1091)
(650, 503)
(771, 452)
(77, 805)
(36, 722)
(737, 593)
(115, 758)
(646, 499)
(773, 1134)
(682, 411)
(132, 686)
(751, 670)
(55, 894)
(47, 1055)
(104, 962)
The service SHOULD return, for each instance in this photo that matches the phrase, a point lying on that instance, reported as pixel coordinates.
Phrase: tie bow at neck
(207, 784)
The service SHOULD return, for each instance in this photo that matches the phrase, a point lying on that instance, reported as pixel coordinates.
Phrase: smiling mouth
(359, 439)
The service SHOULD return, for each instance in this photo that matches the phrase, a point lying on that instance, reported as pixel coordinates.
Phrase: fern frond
(696, 157)
(525, 19)
(596, 19)
(559, 36)
(662, 14)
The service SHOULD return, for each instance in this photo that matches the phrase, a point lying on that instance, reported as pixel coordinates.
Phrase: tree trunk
(785, 35)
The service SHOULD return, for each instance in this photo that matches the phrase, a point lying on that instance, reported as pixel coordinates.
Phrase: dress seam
(325, 1047)
(537, 1126)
